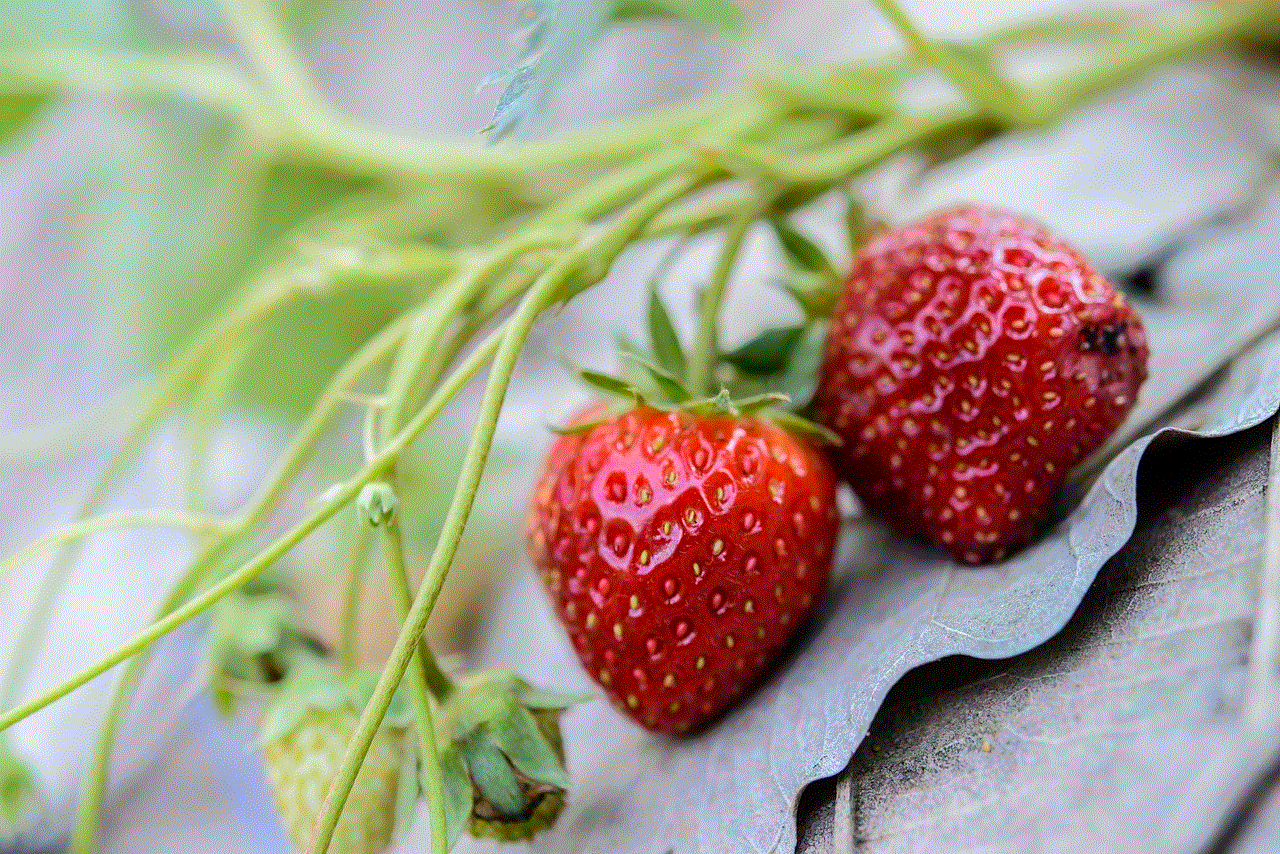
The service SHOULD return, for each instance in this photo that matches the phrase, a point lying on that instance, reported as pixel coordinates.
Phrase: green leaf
(458, 794)
(20, 797)
(492, 773)
(668, 352)
(801, 251)
(768, 352)
(714, 16)
(517, 734)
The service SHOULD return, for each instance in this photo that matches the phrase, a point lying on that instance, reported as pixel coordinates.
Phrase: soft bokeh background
(123, 225)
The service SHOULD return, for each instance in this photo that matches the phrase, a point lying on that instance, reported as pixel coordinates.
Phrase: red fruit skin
(973, 359)
(681, 552)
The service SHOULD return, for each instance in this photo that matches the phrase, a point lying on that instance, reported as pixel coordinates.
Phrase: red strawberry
(682, 550)
(973, 359)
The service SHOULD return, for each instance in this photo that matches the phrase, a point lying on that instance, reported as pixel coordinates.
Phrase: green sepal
(20, 797)
(575, 429)
(758, 402)
(768, 352)
(611, 386)
(254, 640)
(801, 426)
(458, 794)
(672, 389)
(800, 377)
(536, 698)
(668, 352)
(491, 773)
(801, 251)
(321, 687)
(857, 226)
(518, 735)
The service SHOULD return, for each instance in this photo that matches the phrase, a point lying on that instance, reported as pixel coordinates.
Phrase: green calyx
(771, 376)
(321, 687)
(254, 641)
(502, 758)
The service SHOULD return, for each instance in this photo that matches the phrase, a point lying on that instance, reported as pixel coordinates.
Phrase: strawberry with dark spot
(682, 550)
(973, 359)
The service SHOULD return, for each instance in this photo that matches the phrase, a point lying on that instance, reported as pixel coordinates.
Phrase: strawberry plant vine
(547, 220)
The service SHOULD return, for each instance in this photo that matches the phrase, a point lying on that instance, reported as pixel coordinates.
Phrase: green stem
(419, 696)
(250, 570)
(1144, 48)
(206, 411)
(706, 345)
(350, 608)
(545, 292)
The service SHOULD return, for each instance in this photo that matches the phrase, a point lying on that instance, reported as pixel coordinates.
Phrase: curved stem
(280, 290)
(258, 32)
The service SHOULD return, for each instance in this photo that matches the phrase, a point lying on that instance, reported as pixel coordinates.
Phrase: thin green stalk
(545, 292)
(196, 524)
(706, 346)
(1145, 48)
(393, 554)
(206, 411)
(206, 78)
(350, 608)
(250, 570)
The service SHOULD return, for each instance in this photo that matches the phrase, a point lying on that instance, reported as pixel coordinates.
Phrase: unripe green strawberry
(305, 736)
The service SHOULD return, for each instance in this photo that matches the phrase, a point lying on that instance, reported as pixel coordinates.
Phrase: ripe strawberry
(682, 550)
(973, 359)
(305, 735)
